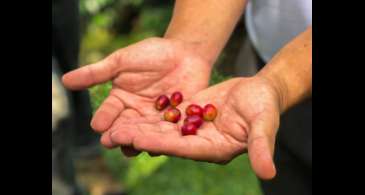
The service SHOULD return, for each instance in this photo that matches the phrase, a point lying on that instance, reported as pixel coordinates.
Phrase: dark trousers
(293, 152)
(63, 172)
(75, 130)
(65, 49)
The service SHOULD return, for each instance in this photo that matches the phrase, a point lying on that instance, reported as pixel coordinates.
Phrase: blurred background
(105, 26)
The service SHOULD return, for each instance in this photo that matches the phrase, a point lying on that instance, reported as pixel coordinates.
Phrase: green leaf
(141, 167)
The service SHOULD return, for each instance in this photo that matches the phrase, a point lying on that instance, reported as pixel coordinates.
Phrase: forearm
(290, 71)
(207, 25)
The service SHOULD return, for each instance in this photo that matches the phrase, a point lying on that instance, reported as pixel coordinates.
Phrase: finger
(107, 113)
(129, 114)
(143, 105)
(121, 119)
(128, 151)
(261, 142)
(106, 141)
(90, 75)
(164, 138)
(190, 147)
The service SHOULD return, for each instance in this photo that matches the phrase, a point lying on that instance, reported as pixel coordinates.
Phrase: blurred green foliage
(141, 168)
(144, 174)
(186, 177)
(98, 94)
(100, 38)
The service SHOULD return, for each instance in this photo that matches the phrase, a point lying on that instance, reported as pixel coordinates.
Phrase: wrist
(278, 86)
(197, 47)
(290, 71)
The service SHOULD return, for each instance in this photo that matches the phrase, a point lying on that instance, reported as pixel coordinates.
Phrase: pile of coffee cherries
(195, 115)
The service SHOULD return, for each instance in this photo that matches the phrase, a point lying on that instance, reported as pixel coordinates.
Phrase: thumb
(261, 143)
(90, 75)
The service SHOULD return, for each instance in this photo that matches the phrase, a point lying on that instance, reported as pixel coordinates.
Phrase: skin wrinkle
(171, 57)
(206, 138)
(128, 105)
(221, 117)
(114, 132)
(92, 75)
(228, 137)
(116, 99)
(243, 124)
(139, 128)
(156, 83)
(219, 145)
(122, 116)
(172, 128)
(234, 140)
(176, 69)
(113, 125)
(111, 68)
(123, 76)
(215, 149)
(230, 140)
(111, 106)
(114, 93)
(114, 59)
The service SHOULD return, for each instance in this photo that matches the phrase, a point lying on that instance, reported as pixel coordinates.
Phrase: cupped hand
(247, 120)
(139, 74)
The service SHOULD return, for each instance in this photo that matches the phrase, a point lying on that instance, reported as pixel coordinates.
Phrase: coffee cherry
(172, 115)
(189, 129)
(194, 119)
(162, 102)
(209, 112)
(176, 99)
(194, 109)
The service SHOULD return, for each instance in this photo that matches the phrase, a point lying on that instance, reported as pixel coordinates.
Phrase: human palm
(247, 120)
(139, 74)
